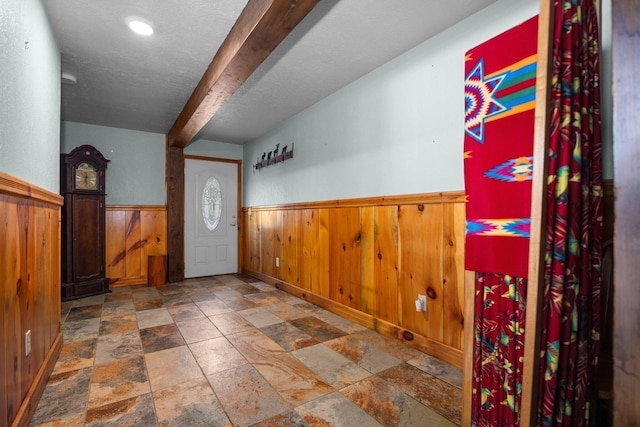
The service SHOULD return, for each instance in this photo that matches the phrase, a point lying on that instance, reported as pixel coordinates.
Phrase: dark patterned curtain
(571, 307)
(499, 348)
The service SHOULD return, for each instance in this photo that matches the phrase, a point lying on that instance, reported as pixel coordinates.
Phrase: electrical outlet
(423, 302)
(277, 262)
(27, 342)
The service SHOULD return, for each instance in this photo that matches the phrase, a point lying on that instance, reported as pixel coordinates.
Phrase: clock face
(86, 177)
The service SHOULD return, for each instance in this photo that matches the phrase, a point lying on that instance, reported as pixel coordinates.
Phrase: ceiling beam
(262, 25)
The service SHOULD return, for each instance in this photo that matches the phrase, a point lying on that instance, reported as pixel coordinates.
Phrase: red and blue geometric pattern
(509, 227)
(514, 170)
(498, 150)
(499, 96)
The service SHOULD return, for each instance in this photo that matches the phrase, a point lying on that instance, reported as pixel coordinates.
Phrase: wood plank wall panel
(15, 218)
(309, 250)
(344, 256)
(270, 230)
(288, 270)
(386, 271)
(251, 251)
(626, 152)
(115, 243)
(322, 285)
(132, 234)
(133, 243)
(30, 292)
(3, 314)
(369, 259)
(453, 274)
(367, 273)
(421, 267)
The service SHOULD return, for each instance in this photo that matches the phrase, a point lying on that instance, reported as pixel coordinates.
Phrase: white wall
(136, 169)
(397, 130)
(135, 173)
(221, 150)
(29, 95)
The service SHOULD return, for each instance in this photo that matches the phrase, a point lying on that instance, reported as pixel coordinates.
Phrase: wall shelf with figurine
(273, 157)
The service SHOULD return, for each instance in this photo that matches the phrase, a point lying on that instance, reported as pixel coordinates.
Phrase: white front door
(210, 218)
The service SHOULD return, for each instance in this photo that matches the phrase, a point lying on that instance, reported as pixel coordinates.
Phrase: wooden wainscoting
(30, 292)
(132, 234)
(368, 259)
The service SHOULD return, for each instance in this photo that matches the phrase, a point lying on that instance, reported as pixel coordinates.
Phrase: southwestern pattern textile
(499, 110)
(498, 147)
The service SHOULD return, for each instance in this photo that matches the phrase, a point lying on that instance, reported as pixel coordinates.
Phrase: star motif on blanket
(480, 102)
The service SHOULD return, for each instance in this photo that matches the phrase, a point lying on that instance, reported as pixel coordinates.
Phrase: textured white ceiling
(142, 83)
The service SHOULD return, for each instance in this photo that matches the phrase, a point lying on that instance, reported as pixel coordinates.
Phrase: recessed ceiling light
(140, 26)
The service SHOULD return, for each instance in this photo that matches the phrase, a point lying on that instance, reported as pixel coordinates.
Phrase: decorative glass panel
(211, 204)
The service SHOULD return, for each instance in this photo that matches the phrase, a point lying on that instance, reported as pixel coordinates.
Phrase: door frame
(238, 208)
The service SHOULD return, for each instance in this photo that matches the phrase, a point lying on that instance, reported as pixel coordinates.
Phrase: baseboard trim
(441, 351)
(128, 281)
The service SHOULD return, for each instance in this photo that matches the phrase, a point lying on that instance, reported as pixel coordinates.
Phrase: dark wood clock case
(83, 223)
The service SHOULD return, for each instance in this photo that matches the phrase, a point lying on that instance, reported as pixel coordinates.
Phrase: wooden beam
(535, 284)
(262, 25)
(175, 214)
(626, 152)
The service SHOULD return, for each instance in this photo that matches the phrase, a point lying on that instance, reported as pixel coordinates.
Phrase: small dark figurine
(269, 155)
(284, 149)
(264, 155)
(275, 152)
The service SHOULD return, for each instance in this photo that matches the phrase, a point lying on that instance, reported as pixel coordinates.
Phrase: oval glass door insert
(211, 204)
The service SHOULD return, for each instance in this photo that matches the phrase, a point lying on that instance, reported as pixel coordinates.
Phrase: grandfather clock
(83, 223)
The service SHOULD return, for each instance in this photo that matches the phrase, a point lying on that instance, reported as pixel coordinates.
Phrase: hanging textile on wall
(498, 149)
(570, 332)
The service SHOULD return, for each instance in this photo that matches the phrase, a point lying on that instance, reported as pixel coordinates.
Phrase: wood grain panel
(115, 246)
(420, 235)
(322, 287)
(252, 233)
(344, 256)
(386, 270)
(14, 280)
(132, 234)
(52, 286)
(626, 152)
(288, 270)
(153, 230)
(453, 274)
(408, 199)
(175, 213)
(368, 298)
(370, 262)
(270, 231)
(30, 293)
(535, 291)
(5, 278)
(41, 266)
(34, 270)
(308, 249)
(132, 243)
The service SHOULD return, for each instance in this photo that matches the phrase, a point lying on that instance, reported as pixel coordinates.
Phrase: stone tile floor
(229, 350)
